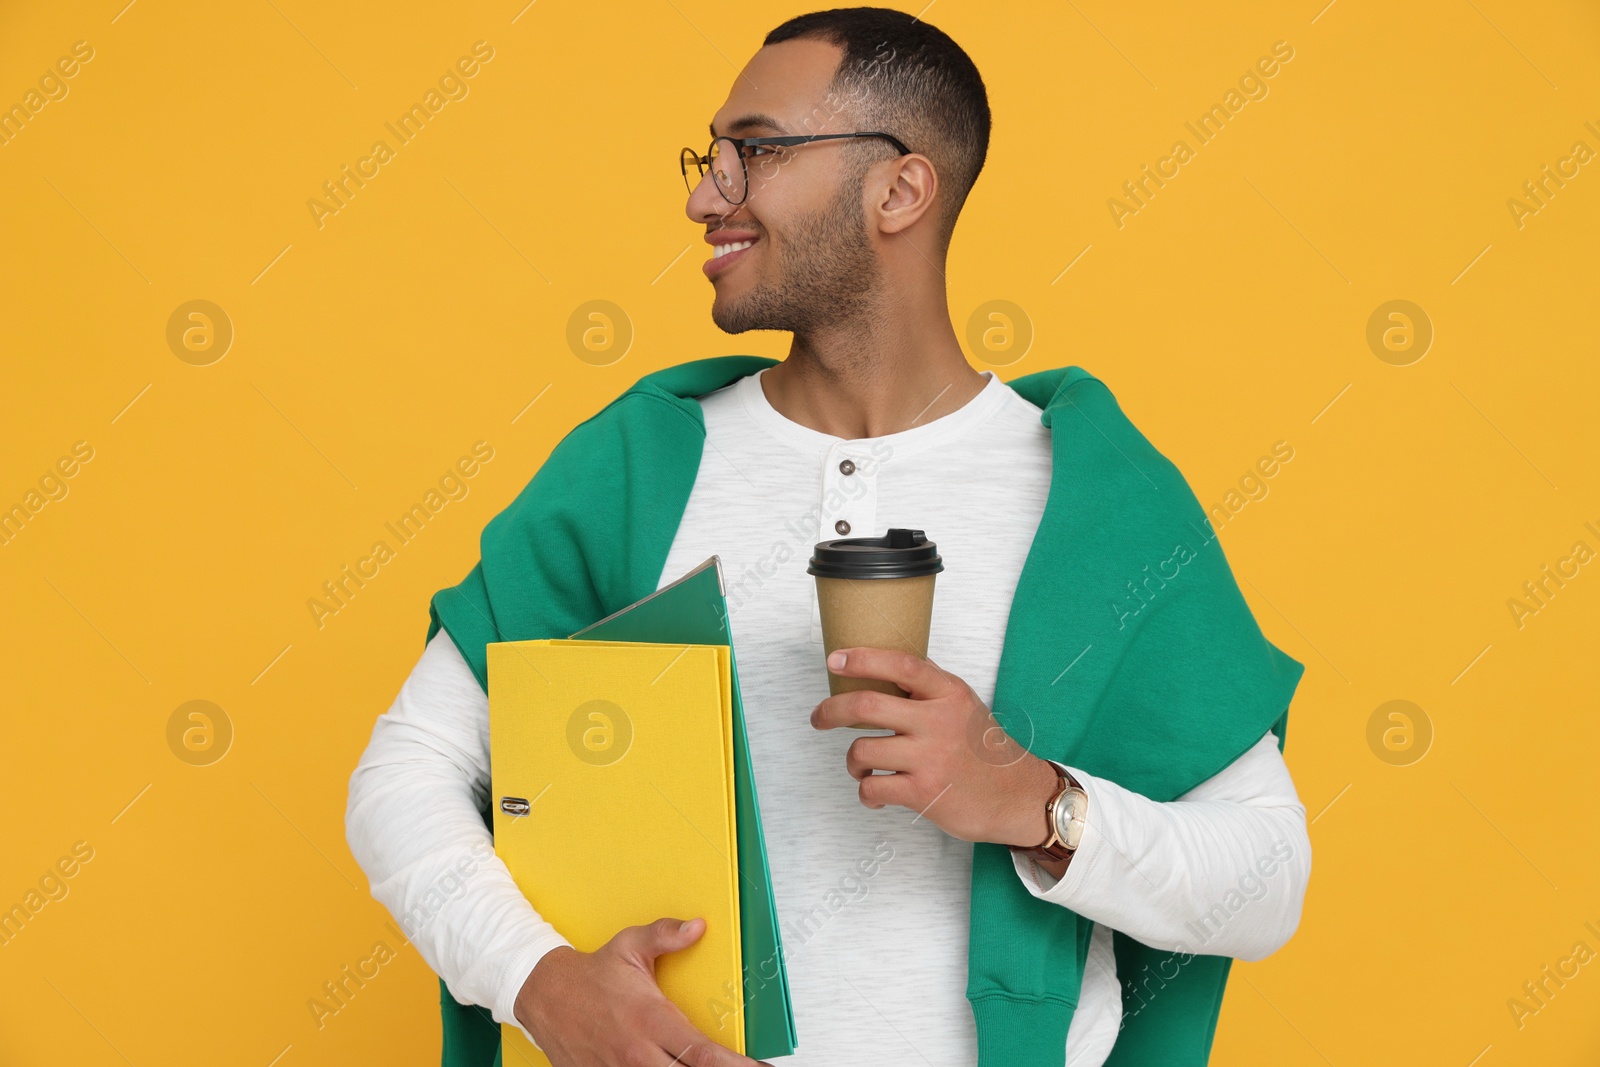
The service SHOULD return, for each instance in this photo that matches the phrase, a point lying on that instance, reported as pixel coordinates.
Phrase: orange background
(431, 312)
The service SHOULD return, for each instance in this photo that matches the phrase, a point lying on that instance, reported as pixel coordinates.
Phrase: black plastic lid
(897, 554)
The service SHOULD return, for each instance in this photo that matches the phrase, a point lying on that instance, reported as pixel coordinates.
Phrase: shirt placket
(848, 506)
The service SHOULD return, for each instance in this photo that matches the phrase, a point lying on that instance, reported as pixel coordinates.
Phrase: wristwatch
(1065, 816)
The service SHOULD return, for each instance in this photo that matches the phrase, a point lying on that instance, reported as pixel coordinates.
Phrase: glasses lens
(726, 170)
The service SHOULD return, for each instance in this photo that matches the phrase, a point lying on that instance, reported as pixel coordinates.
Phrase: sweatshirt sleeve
(413, 824)
(1221, 871)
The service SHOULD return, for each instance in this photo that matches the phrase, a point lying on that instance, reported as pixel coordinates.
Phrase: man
(1149, 684)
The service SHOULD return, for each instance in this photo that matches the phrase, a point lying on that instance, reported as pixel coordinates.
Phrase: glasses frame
(703, 163)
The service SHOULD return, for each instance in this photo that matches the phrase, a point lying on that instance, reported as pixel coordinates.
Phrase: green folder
(694, 611)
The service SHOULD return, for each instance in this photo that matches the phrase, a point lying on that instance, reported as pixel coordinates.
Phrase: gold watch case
(1065, 815)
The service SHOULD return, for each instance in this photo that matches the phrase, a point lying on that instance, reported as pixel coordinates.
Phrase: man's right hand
(604, 1009)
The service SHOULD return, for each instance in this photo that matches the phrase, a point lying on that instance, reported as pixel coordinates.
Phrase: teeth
(718, 251)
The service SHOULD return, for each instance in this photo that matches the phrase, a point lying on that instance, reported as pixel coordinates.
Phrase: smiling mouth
(724, 256)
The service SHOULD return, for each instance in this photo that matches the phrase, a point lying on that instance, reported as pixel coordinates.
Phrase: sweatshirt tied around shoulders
(1125, 580)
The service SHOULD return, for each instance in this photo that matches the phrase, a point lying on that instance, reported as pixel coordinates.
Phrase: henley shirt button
(847, 467)
(842, 526)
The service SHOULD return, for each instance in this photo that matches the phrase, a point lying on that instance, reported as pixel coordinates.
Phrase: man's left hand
(952, 760)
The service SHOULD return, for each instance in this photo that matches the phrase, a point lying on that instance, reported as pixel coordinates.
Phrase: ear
(907, 194)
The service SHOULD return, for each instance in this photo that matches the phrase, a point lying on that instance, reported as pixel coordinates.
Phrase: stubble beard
(826, 274)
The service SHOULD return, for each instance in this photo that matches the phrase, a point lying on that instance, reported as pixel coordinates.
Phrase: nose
(706, 204)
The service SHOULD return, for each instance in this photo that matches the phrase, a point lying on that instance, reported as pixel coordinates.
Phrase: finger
(878, 790)
(664, 1026)
(917, 675)
(645, 943)
(866, 708)
(868, 754)
(685, 1046)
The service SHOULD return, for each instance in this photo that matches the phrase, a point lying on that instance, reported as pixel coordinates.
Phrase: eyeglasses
(734, 182)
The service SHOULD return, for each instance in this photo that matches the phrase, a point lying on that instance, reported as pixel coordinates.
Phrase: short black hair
(906, 78)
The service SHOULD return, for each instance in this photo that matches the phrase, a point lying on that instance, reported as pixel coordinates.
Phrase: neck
(875, 376)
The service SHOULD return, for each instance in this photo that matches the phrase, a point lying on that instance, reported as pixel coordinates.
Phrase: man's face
(813, 261)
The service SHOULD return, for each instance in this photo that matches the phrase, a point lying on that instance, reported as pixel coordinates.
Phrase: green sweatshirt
(1125, 581)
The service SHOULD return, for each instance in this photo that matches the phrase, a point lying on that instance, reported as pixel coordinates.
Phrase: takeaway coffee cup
(875, 591)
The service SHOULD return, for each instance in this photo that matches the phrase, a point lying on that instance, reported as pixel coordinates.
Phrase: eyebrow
(748, 122)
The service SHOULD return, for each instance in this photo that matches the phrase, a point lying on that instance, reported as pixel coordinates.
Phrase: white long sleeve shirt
(876, 961)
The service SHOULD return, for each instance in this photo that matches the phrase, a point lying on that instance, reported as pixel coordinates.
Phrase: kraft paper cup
(878, 592)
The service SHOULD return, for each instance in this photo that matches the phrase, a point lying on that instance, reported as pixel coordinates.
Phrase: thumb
(668, 935)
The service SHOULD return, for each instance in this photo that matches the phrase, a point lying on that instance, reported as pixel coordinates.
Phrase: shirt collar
(983, 405)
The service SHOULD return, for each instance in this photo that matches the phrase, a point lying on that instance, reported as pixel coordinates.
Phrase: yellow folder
(613, 800)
